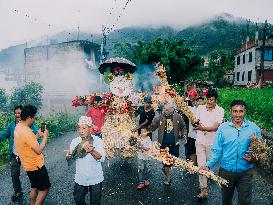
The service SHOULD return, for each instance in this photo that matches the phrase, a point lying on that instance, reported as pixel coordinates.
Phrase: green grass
(259, 104)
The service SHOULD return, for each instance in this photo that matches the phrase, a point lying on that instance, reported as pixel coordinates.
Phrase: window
(244, 59)
(250, 57)
(267, 55)
(243, 76)
(238, 60)
(249, 74)
(238, 76)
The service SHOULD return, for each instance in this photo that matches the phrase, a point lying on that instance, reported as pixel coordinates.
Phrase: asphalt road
(119, 186)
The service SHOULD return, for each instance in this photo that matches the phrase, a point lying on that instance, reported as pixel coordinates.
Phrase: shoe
(146, 183)
(203, 194)
(167, 180)
(16, 196)
(141, 186)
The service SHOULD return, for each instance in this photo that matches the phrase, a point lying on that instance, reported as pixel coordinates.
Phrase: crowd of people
(207, 143)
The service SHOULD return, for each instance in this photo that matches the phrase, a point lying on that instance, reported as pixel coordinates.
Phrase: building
(248, 61)
(65, 70)
(8, 79)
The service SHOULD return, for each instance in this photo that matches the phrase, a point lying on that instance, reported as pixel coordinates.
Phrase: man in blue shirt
(231, 147)
(8, 133)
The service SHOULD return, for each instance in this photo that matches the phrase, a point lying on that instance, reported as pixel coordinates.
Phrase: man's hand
(249, 159)
(203, 168)
(68, 155)
(88, 147)
(135, 129)
(95, 127)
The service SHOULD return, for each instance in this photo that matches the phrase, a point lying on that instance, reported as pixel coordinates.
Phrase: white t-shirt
(88, 169)
(147, 143)
(208, 118)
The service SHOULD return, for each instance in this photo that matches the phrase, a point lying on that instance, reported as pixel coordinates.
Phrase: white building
(247, 62)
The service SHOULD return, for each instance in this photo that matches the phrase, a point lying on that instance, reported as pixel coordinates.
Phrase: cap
(192, 92)
(84, 120)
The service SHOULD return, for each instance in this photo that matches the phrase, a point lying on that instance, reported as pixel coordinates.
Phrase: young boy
(88, 152)
(145, 145)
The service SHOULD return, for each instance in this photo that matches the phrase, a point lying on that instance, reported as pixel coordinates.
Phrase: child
(145, 145)
(88, 152)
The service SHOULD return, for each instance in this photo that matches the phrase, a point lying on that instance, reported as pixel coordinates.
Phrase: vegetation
(57, 125)
(259, 104)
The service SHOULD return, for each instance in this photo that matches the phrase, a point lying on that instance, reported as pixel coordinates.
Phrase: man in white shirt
(89, 153)
(211, 116)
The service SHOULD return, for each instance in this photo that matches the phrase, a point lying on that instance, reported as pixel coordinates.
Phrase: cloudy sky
(24, 20)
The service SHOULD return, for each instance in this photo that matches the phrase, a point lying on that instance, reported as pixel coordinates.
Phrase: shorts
(173, 149)
(190, 147)
(39, 179)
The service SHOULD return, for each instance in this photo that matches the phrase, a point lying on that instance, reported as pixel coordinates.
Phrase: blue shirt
(231, 145)
(88, 169)
(8, 133)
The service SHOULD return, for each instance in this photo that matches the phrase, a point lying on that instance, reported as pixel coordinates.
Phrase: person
(210, 117)
(146, 115)
(190, 150)
(31, 154)
(199, 101)
(15, 163)
(145, 145)
(231, 149)
(97, 114)
(89, 153)
(170, 124)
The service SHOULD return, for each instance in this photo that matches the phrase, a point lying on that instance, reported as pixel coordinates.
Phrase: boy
(88, 152)
(145, 145)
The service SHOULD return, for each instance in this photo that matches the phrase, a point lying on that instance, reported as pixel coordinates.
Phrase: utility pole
(261, 72)
(103, 53)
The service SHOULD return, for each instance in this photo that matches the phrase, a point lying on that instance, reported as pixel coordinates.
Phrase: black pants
(15, 165)
(81, 191)
(242, 181)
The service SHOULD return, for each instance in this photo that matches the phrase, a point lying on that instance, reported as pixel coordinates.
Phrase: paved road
(119, 187)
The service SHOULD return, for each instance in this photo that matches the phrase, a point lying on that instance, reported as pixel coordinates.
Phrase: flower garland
(110, 76)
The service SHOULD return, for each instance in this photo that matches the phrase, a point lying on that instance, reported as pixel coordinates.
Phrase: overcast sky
(65, 15)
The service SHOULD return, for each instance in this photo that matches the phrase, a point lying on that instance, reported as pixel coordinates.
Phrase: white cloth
(192, 132)
(208, 119)
(147, 144)
(88, 169)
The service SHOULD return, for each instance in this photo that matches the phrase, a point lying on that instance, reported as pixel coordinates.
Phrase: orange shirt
(24, 139)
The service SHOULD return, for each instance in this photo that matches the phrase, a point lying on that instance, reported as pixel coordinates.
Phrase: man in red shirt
(97, 114)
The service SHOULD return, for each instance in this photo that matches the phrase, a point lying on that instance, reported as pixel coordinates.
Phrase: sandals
(143, 185)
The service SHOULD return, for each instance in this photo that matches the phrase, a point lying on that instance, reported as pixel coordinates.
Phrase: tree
(3, 100)
(180, 60)
(30, 93)
(220, 63)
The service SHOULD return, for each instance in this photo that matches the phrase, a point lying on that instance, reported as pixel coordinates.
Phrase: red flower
(118, 70)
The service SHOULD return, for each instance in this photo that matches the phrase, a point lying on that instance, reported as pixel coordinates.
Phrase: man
(97, 114)
(190, 150)
(146, 115)
(231, 147)
(210, 116)
(170, 124)
(31, 156)
(15, 163)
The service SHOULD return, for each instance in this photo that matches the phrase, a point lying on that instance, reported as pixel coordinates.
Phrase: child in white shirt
(145, 145)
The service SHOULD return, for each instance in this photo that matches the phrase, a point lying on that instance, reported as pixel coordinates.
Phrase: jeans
(242, 181)
(15, 165)
(81, 191)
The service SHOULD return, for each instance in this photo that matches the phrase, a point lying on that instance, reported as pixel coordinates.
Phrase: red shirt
(98, 118)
